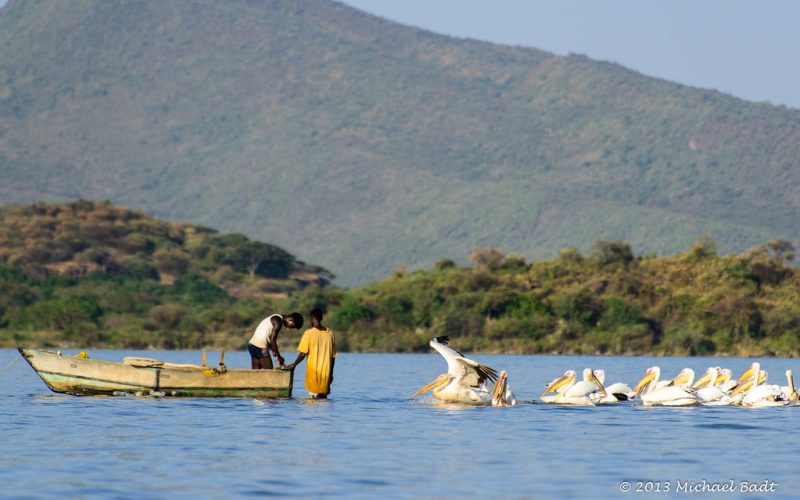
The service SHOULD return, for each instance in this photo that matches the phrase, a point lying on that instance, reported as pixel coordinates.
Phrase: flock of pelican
(466, 382)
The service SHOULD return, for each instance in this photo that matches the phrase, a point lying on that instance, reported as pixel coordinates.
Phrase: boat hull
(90, 377)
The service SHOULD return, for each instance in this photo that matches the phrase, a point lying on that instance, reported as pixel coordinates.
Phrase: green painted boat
(84, 376)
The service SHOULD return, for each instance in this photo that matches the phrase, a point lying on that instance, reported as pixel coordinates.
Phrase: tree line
(88, 274)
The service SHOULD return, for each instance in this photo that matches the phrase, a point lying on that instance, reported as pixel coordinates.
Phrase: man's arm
(300, 358)
(273, 340)
(333, 363)
(273, 344)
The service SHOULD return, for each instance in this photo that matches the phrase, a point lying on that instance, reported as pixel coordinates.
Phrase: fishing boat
(84, 376)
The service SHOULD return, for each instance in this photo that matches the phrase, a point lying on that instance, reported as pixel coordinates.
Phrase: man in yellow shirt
(319, 345)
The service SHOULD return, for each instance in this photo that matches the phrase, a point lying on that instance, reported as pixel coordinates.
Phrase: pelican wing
(473, 373)
(463, 369)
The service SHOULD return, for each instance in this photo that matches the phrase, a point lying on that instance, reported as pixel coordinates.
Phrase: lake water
(370, 439)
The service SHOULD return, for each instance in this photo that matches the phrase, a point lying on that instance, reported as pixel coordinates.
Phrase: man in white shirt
(265, 339)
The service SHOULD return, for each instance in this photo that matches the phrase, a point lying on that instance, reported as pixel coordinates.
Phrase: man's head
(294, 320)
(316, 316)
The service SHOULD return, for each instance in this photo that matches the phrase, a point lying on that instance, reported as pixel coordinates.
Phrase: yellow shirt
(320, 347)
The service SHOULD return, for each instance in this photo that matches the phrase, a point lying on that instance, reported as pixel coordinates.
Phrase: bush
(618, 312)
(612, 252)
(688, 341)
(174, 262)
(194, 288)
(576, 304)
(444, 264)
(349, 312)
(135, 267)
(168, 316)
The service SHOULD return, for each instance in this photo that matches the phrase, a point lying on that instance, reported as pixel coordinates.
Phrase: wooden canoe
(85, 376)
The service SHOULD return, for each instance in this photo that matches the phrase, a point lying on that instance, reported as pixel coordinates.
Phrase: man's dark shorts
(255, 352)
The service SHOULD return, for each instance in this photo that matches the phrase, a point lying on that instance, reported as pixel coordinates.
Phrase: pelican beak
(428, 387)
(681, 379)
(643, 383)
(748, 374)
(743, 386)
(599, 384)
(703, 381)
(557, 383)
(499, 393)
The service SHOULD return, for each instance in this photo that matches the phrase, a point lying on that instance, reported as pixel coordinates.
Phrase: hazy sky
(750, 49)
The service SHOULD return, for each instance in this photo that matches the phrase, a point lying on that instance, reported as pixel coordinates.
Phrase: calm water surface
(370, 439)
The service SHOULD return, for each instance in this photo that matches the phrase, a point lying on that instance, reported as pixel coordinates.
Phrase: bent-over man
(265, 339)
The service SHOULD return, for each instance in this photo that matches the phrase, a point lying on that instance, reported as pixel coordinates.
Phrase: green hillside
(361, 145)
(91, 274)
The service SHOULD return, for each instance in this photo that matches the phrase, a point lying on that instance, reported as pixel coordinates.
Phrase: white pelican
(708, 393)
(558, 386)
(756, 394)
(673, 395)
(789, 392)
(684, 378)
(744, 383)
(708, 378)
(617, 388)
(725, 380)
(502, 395)
(581, 393)
(465, 380)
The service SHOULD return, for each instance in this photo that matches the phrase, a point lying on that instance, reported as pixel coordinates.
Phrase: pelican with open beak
(672, 395)
(502, 395)
(558, 386)
(465, 380)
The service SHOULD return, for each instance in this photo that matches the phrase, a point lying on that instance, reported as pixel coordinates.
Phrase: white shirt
(264, 332)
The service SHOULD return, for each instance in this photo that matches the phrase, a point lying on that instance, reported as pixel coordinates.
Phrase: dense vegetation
(88, 274)
(609, 302)
(361, 144)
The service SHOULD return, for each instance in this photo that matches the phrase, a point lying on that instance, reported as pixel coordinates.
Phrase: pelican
(684, 378)
(789, 392)
(465, 380)
(581, 392)
(756, 394)
(502, 395)
(709, 378)
(725, 379)
(559, 386)
(707, 390)
(744, 383)
(618, 391)
(673, 395)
